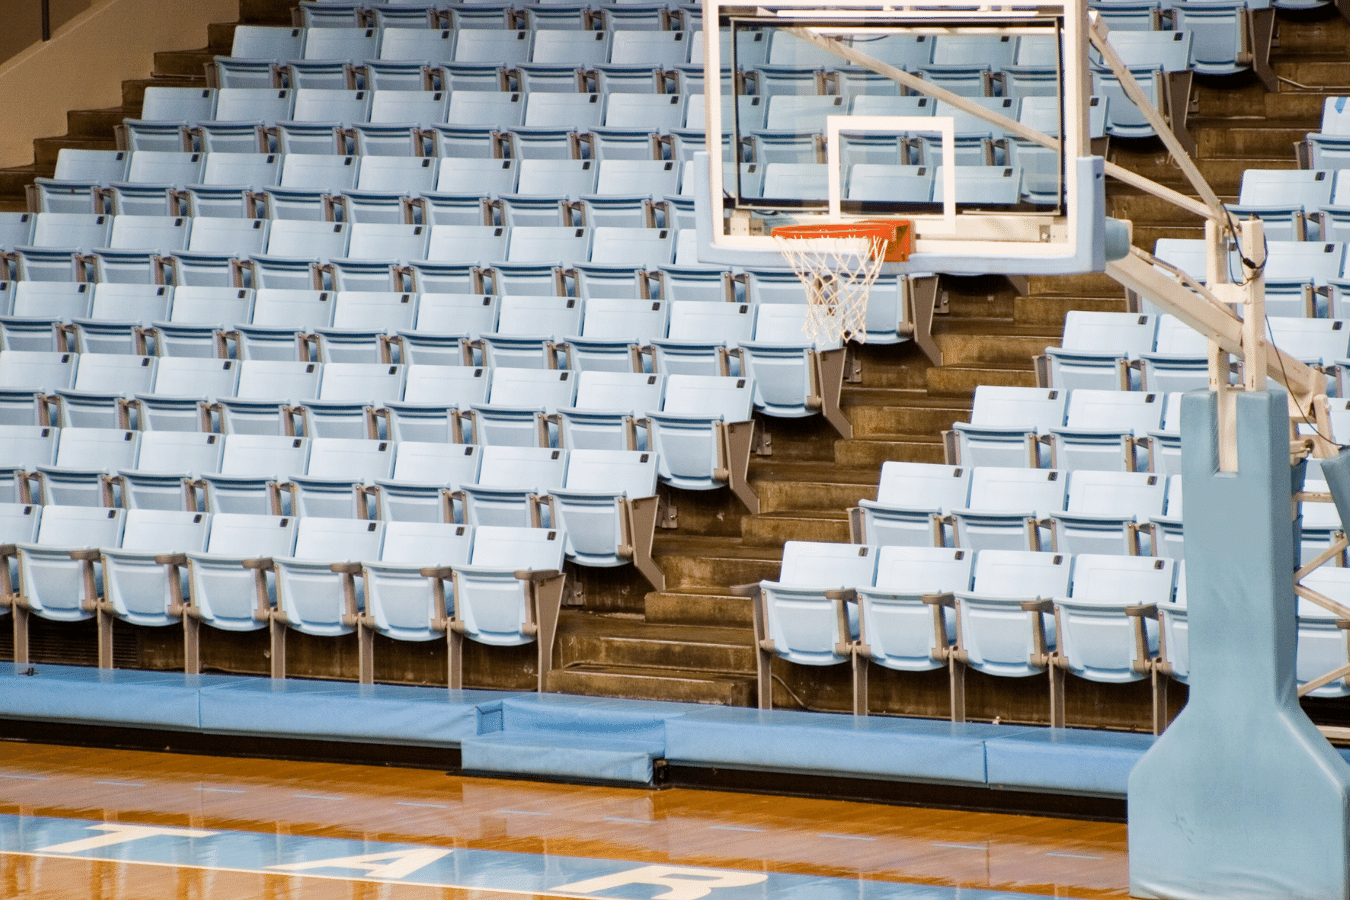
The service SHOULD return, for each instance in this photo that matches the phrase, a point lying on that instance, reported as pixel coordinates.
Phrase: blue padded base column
(1241, 797)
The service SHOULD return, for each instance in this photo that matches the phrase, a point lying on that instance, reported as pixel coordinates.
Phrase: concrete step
(1311, 71)
(828, 494)
(1146, 234)
(909, 448)
(1255, 101)
(795, 525)
(698, 608)
(183, 62)
(585, 639)
(903, 419)
(991, 346)
(1087, 285)
(654, 684)
(13, 180)
(1326, 34)
(1219, 138)
(962, 380)
(46, 149)
(94, 123)
(703, 562)
(1047, 310)
(265, 12)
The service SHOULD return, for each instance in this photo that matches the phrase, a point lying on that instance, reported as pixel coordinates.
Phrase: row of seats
(1006, 613)
(318, 576)
(681, 419)
(994, 507)
(1298, 204)
(1309, 262)
(1162, 354)
(573, 15)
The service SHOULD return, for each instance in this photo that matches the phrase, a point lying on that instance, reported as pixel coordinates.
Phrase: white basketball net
(838, 273)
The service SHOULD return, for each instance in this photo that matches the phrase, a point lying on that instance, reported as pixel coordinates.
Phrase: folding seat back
(427, 45)
(1006, 505)
(313, 598)
(80, 231)
(115, 373)
(52, 584)
(518, 401)
(300, 310)
(38, 369)
(383, 241)
(268, 42)
(898, 629)
(367, 382)
(446, 385)
(350, 45)
(312, 171)
(350, 459)
(308, 239)
(552, 317)
(187, 452)
(142, 589)
(405, 175)
(156, 167)
(998, 636)
(264, 455)
(1320, 341)
(697, 333)
(883, 182)
(55, 301)
(236, 237)
(1101, 427)
(468, 174)
(190, 105)
(605, 402)
(1098, 637)
(1303, 261)
(1005, 423)
(450, 465)
(924, 485)
(401, 602)
(386, 311)
(286, 381)
(508, 478)
(498, 46)
(688, 432)
(96, 166)
(97, 449)
(27, 446)
(419, 107)
(476, 244)
(228, 595)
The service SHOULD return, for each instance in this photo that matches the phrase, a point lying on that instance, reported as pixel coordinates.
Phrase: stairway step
(653, 684)
(265, 12)
(46, 149)
(873, 420)
(1001, 349)
(183, 62)
(1311, 71)
(599, 640)
(1255, 100)
(964, 379)
(697, 608)
(94, 123)
(13, 180)
(714, 562)
(795, 525)
(907, 448)
(220, 37)
(1226, 138)
(1048, 310)
(779, 496)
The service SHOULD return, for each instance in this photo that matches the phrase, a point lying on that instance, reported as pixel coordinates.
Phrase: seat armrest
(436, 571)
(1143, 611)
(171, 559)
(87, 554)
(1038, 605)
(944, 599)
(744, 590)
(260, 562)
(346, 568)
(537, 575)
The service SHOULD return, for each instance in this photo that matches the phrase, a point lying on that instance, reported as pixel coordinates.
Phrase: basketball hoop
(838, 263)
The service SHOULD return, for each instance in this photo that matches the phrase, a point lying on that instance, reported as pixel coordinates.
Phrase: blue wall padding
(567, 756)
(862, 746)
(1241, 797)
(118, 697)
(609, 717)
(343, 711)
(1068, 760)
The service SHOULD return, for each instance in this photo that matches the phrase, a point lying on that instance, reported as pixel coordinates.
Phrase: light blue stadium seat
(18, 524)
(612, 331)
(521, 407)
(1006, 425)
(1009, 508)
(1322, 648)
(145, 576)
(666, 49)
(1096, 349)
(405, 592)
(607, 407)
(509, 594)
(167, 466)
(1107, 627)
(569, 46)
(907, 619)
(267, 42)
(1180, 360)
(700, 335)
(606, 507)
(527, 329)
(616, 282)
(885, 183)
(476, 244)
(808, 616)
(794, 376)
(425, 475)
(1101, 428)
(44, 370)
(236, 72)
(702, 434)
(1105, 510)
(1229, 37)
(1003, 627)
(429, 45)
(56, 570)
(234, 237)
(912, 499)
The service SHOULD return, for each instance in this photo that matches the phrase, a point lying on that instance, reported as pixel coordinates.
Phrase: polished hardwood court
(838, 839)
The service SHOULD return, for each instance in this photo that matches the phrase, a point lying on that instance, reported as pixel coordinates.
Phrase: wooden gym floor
(496, 832)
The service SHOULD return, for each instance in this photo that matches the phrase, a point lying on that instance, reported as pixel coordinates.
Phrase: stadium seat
(808, 616)
(702, 434)
(1007, 425)
(1009, 508)
(509, 594)
(1096, 350)
(1101, 430)
(1105, 510)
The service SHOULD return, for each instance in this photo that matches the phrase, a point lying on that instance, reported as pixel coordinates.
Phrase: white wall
(85, 62)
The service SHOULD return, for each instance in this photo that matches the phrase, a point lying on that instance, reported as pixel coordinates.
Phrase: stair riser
(600, 650)
(94, 123)
(191, 63)
(715, 513)
(1256, 101)
(965, 349)
(45, 150)
(874, 453)
(874, 420)
(772, 531)
(782, 495)
(715, 572)
(1049, 311)
(1238, 141)
(265, 12)
(963, 380)
(725, 692)
(1313, 72)
(664, 608)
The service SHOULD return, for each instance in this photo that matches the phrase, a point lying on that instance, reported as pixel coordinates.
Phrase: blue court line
(430, 866)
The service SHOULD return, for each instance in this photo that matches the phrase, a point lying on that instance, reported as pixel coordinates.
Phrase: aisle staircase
(693, 641)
